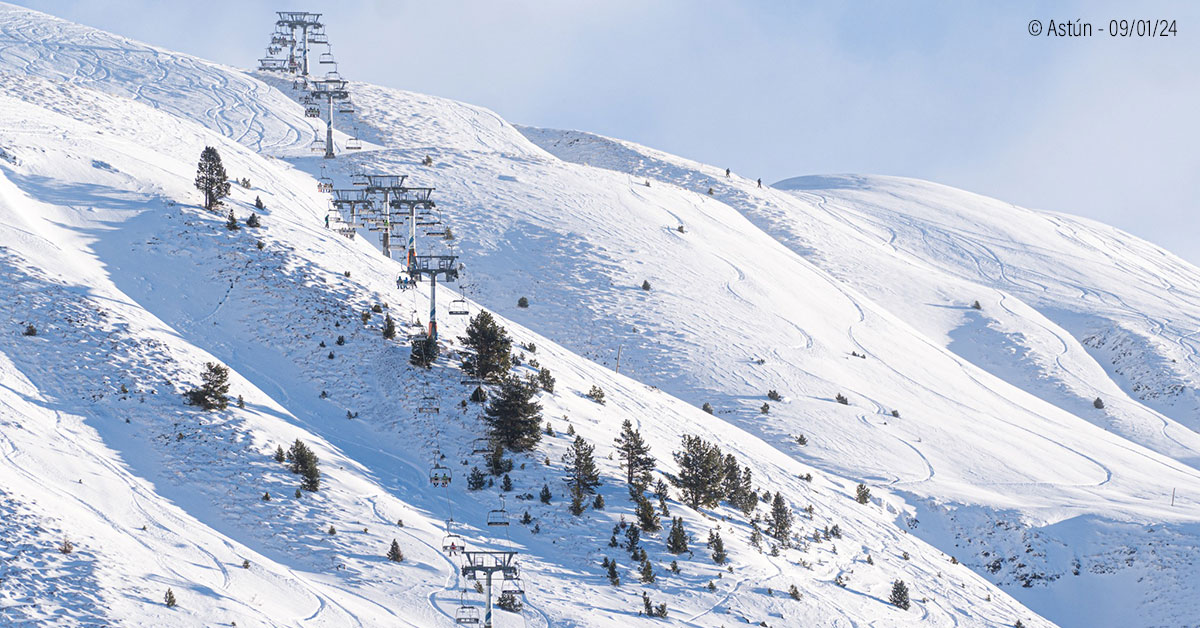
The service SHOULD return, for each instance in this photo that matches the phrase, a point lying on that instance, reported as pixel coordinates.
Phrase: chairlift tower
(329, 91)
(387, 185)
(488, 563)
(304, 22)
(409, 200)
(433, 266)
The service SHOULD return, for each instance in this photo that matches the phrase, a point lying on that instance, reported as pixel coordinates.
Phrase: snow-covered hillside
(995, 478)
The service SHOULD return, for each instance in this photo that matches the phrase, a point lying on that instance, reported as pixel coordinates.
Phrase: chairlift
(354, 143)
(326, 58)
(498, 517)
(312, 112)
(512, 584)
(439, 476)
(458, 307)
(346, 107)
(453, 543)
(317, 144)
(358, 179)
(333, 75)
(466, 614)
(325, 184)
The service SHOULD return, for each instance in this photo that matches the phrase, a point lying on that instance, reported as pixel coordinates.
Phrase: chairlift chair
(326, 58)
(333, 75)
(354, 143)
(513, 585)
(439, 476)
(312, 112)
(466, 614)
(458, 307)
(453, 543)
(317, 144)
(481, 446)
(324, 184)
(358, 179)
(498, 517)
(346, 107)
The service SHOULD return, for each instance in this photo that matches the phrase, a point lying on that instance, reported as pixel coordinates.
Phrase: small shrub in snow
(331, 531)
(545, 495)
(1098, 403)
(899, 597)
(506, 485)
(794, 592)
(614, 578)
(169, 598)
(774, 395)
(646, 285)
(253, 222)
(766, 408)
(717, 546)
(476, 479)
(677, 540)
(266, 497)
(341, 340)
(976, 306)
(67, 547)
(896, 414)
(389, 327)
(258, 204)
(647, 572)
(840, 398)
(394, 554)
(211, 394)
(232, 223)
(545, 380)
(596, 394)
(246, 563)
(801, 440)
(260, 245)
(862, 494)
(30, 330)
(598, 503)
(707, 407)
(522, 302)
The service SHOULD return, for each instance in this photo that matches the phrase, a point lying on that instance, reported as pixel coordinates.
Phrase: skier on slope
(760, 182)
(727, 173)
(326, 221)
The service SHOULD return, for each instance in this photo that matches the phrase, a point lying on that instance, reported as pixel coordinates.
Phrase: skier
(727, 173)
(326, 221)
(760, 182)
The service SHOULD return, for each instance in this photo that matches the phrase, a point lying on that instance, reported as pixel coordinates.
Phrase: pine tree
(701, 472)
(231, 223)
(707, 407)
(647, 517)
(169, 598)
(862, 494)
(497, 464)
(899, 595)
(677, 540)
(506, 485)
(717, 545)
(581, 466)
(598, 503)
(394, 554)
(279, 455)
(794, 592)
(635, 456)
(514, 417)
(211, 178)
(211, 394)
(646, 285)
(258, 204)
(389, 326)
(647, 571)
(424, 350)
(509, 602)
(304, 462)
(576, 506)
(545, 495)
(614, 578)
(545, 380)
(779, 524)
(492, 348)
(476, 479)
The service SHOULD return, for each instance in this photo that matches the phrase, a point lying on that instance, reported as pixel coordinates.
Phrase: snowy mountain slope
(131, 290)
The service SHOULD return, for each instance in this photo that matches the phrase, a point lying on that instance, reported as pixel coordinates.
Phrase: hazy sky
(955, 92)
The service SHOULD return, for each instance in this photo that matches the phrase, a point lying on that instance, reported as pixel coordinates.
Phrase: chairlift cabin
(439, 476)
(498, 517)
(458, 307)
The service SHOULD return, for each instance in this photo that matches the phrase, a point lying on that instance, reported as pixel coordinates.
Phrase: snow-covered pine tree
(211, 178)
(862, 494)
(647, 516)
(514, 417)
(389, 326)
(717, 545)
(647, 571)
(169, 598)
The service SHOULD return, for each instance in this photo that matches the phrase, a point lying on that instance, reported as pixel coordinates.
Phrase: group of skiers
(728, 172)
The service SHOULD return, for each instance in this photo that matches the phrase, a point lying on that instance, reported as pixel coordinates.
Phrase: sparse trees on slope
(899, 595)
(514, 417)
(211, 394)
(305, 463)
(211, 178)
(701, 472)
(779, 525)
(635, 457)
(677, 540)
(491, 345)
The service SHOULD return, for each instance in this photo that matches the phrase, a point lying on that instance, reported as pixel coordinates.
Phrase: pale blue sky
(955, 92)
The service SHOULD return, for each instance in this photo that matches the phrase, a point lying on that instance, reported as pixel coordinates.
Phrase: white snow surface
(1055, 512)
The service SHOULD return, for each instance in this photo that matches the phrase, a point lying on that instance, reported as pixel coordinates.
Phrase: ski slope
(133, 288)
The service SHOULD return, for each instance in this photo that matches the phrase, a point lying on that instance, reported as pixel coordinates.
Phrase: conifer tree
(231, 223)
(169, 598)
(717, 545)
(424, 350)
(545, 495)
(701, 472)
(475, 480)
(647, 517)
(576, 506)
(647, 571)
(394, 554)
(677, 540)
(389, 326)
(304, 462)
(614, 578)
(509, 602)
(899, 595)
(581, 466)
(211, 178)
(279, 455)
(514, 417)
(779, 524)
(707, 407)
(862, 494)
(635, 457)
(258, 204)
(497, 464)
(211, 394)
(491, 345)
